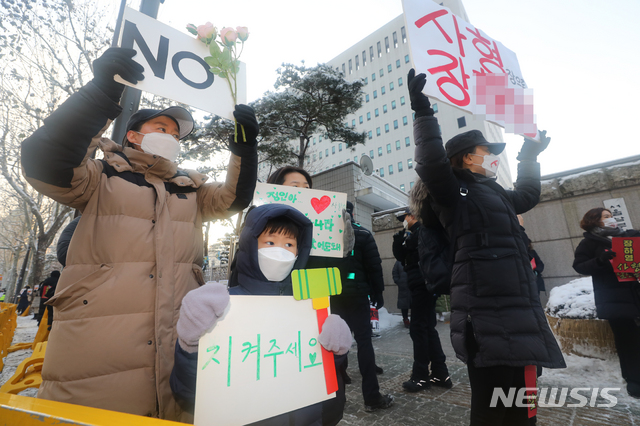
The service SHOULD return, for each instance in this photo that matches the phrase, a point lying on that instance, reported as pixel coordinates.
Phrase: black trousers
(627, 336)
(484, 381)
(356, 313)
(427, 348)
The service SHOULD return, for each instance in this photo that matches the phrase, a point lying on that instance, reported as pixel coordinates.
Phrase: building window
(379, 50)
(366, 81)
(326, 152)
(384, 108)
(406, 59)
(391, 86)
(393, 104)
(434, 107)
(371, 153)
(388, 148)
(370, 136)
(386, 128)
(350, 66)
(340, 147)
(314, 157)
(398, 63)
(400, 81)
(366, 98)
(340, 162)
(344, 72)
(402, 187)
(360, 119)
(411, 185)
(353, 123)
(401, 100)
(404, 121)
(383, 90)
(306, 157)
(409, 164)
(395, 124)
(386, 44)
(400, 166)
(369, 116)
(395, 39)
(355, 158)
(364, 58)
(379, 151)
(357, 63)
(333, 149)
(462, 121)
(314, 141)
(375, 94)
(320, 138)
(390, 169)
(371, 53)
(381, 171)
(373, 77)
(403, 33)
(320, 155)
(407, 141)
(376, 112)
(389, 69)
(377, 131)
(381, 72)
(397, 145)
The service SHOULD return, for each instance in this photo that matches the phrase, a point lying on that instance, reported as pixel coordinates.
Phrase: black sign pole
(130, 100)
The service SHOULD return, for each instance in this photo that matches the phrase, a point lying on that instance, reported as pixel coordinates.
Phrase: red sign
(626, 264)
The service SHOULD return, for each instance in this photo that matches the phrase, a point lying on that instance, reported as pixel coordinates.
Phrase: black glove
(116, 60)
(399, 236)
(419, 101)
(531, 149)
(247, 143)
(606, 256)
(377, 300)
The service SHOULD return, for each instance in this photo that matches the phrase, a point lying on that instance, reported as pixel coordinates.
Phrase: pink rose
(206, 31)
(243, 33)
(228, 36)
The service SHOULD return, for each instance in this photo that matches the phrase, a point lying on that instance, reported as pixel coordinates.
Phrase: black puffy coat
(492, 285)
(614, 299)
(405, 250)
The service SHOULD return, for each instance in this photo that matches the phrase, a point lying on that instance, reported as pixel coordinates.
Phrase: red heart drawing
(320, 205)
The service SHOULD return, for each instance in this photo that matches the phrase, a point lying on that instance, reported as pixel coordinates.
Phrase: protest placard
(174, 66)
(467, 68)
(322, 208)
(261, 359)
(626, 264)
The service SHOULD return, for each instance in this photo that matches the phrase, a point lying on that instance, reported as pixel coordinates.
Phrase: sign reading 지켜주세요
(261, 359)
(322, 208)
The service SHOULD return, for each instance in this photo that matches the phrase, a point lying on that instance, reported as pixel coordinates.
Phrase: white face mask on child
(276, 263)
(161, 144)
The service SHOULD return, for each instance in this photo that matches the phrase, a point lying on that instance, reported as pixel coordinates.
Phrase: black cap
(179, 114)
(350, 208)
(402, 214)
(471, 138)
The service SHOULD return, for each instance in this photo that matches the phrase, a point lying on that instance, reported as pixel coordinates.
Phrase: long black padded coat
(492, 285)
(614, 299)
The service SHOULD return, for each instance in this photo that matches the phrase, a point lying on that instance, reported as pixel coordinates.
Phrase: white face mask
(490, 163)
(405, 224)
(276, 263)
(161, 144)
(610, 223)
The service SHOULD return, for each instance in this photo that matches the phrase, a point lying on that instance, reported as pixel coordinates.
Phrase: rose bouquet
(224, 60)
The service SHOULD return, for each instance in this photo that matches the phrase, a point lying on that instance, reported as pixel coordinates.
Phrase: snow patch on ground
(388, 320)
(573, 300)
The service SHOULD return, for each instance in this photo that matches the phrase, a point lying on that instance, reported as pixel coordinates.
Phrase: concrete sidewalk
(451, 407)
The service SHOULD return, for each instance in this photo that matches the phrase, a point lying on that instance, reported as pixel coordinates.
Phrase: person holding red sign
(618, 302)
(498, 327)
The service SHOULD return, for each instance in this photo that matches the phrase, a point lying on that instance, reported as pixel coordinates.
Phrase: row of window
(400, 167)
(410, 185)
(387, 48)
(386, 127)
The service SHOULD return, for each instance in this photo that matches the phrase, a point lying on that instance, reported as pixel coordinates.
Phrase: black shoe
(346, 379)
(379, 370)
(416, 385)
(442, 382)
(633, 389)
(383, 401)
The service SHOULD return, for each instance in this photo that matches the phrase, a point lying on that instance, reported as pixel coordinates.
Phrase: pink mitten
(336, 335)
(200, 310)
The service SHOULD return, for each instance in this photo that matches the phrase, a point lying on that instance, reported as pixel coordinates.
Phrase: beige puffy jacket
(136, 252)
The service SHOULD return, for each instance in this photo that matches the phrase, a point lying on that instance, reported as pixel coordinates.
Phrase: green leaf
(214, 49)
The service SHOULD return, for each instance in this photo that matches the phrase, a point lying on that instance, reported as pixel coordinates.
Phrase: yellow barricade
(25, 411)
(28, 374)
(8, 321)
